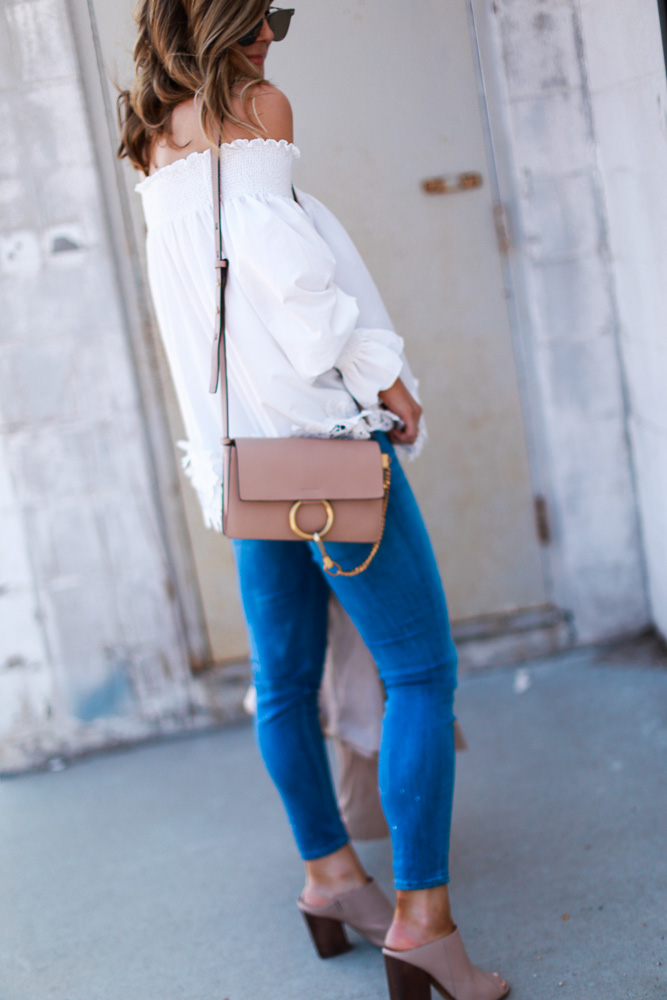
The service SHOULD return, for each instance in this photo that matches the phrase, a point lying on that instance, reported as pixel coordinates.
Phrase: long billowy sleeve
(287, 270)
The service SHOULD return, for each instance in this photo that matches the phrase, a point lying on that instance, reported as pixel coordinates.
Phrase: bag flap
(309, 469)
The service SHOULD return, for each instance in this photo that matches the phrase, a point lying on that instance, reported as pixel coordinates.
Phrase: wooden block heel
(365, 909)
(328, 935)
(444, 965)
(406, 982)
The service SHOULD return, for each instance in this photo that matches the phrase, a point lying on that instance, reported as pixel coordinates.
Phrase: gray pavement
(167, 871)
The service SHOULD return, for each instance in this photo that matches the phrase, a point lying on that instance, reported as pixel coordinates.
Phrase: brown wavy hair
(183, 51)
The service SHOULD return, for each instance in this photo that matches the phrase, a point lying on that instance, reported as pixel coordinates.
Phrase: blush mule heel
(366, 909)
(444, 965)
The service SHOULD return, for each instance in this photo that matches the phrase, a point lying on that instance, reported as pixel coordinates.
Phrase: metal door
(385, 97)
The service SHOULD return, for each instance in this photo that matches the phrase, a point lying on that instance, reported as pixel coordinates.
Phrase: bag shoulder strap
(219, 347)
(219, 371)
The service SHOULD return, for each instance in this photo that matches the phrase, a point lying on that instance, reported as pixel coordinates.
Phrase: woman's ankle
(403, 935)
(421, 916)
(332, 875)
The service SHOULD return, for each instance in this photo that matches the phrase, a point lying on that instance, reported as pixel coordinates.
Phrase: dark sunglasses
(278, 19)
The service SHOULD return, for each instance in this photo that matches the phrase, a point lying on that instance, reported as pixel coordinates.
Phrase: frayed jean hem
(313, 855)
(407, 885)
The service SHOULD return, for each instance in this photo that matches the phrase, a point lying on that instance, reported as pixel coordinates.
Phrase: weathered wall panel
(91, 634)
(90, 631)
(571, 325)
(626, 72)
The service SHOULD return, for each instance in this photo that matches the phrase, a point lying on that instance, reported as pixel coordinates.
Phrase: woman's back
(308, 337)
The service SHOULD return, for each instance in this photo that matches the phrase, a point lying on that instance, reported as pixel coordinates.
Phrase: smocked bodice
(247, 167)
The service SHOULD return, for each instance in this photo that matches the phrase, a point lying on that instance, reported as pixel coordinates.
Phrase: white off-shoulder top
(309, 341)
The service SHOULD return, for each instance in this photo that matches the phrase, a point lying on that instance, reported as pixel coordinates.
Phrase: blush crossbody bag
(294, 488)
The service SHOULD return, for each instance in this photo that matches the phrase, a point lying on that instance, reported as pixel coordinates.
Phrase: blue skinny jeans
(399, 608)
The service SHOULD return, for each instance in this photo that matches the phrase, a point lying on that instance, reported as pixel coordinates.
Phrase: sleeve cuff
(369, 363)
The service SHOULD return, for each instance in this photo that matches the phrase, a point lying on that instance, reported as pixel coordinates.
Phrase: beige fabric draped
(351, 710)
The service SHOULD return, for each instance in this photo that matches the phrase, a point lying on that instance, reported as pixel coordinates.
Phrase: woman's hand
(397, 399)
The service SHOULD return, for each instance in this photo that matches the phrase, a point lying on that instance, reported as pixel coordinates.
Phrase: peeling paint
(62, 244)
(14, 663)
(543, 21)
(112, 697)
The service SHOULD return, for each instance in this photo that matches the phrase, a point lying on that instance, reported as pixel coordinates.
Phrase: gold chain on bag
(330, 566)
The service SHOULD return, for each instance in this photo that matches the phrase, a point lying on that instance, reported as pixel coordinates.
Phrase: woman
(311, 351)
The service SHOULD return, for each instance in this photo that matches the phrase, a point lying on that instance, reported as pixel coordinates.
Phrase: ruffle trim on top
(278, 143)
(204, 470)
(362, 425)
(180, 166)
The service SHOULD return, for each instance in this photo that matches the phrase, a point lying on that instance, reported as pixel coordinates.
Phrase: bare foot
(332, 875)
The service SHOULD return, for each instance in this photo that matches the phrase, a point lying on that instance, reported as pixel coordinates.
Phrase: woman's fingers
(399, 401)
(407, 434)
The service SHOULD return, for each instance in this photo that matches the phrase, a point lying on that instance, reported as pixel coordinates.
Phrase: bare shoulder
(185, 127)
(268, 109)
(184, 137)
(271, 100)
(273, 112)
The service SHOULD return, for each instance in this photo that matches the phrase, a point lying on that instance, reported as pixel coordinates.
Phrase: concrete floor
(168, 871)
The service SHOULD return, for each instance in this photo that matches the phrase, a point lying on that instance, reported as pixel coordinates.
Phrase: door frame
(140, 332)
(487, 58)
(662, 10)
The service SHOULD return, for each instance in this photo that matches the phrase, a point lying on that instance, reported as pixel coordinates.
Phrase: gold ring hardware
(322, 531)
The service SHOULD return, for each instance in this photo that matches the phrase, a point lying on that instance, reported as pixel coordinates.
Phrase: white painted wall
(91, 632)
(91, 646)
(628, 88)
(436, 261)
(26, 682)
(551, 179)
(206, 577)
